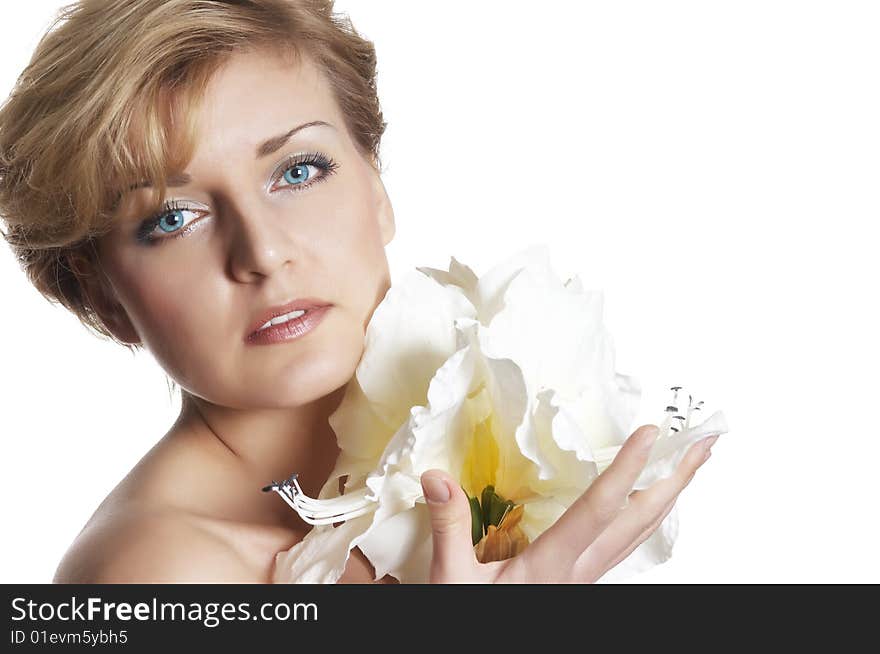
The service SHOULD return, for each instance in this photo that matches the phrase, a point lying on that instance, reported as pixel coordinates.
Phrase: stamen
(323, 512)
(675, 397)
(673, 408)
(691, 407)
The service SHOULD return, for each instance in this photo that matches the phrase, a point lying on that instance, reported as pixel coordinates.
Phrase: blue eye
(171, 222)
(301, 174)
(295, 171)
(171, 219)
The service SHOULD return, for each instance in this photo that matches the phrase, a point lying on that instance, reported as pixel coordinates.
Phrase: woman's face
(262, 221)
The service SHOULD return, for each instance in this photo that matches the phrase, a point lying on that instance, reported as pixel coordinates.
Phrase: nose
(260, 241)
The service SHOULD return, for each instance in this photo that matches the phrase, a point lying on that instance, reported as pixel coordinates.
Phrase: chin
(316, 375)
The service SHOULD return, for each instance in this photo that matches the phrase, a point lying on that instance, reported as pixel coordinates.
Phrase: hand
(593, 535)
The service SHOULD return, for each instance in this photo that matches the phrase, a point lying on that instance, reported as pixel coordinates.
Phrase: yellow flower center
(495, 521)
(504, 541)
(481, 462)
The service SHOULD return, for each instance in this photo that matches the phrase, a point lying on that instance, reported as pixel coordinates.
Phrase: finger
(633, 528)
(641, 517)
(453, 559)
(645, 534)
(557, 549)
(642, 538)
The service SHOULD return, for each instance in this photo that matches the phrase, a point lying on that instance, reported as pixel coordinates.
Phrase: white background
(711, 167)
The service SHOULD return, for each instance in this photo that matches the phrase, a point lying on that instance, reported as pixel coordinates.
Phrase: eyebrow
(267, 147)
(275, 143)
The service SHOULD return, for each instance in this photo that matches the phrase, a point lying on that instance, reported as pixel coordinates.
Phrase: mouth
(287, 321)
(283, 318)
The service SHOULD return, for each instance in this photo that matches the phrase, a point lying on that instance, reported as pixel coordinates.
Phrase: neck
(258, 446)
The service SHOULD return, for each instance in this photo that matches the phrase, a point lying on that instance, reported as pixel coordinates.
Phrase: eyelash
(320, 161)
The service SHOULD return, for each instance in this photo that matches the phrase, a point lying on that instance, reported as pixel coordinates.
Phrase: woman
(183, 175)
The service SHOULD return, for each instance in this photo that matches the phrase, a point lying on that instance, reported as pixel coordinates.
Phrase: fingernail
(648, 435)
(435, 490)
(709, 442)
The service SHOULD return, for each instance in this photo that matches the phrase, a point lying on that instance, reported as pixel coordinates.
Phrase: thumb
(453, 560)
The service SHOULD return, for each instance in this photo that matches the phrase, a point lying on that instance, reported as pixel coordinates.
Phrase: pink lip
(291, 329)
(307, 303)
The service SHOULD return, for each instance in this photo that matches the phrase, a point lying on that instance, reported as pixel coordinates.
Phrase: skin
(192, 509)
(251, 413)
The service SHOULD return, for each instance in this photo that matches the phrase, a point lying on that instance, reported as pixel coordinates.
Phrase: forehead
(254, 95)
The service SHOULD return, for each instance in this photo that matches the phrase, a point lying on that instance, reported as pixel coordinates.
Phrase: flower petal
(492, 286)
(321, 556)
(459, 276)
(360, 431)
(486, 294)
(410, 334)
(555, 336)
(506, 379)
(655, 549)
(603, 411)
(668, 451)
(427, 439)
(540, 514)
(402, 546)
(565, 444)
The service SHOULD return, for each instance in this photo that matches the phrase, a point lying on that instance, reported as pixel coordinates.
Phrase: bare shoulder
(144, 545)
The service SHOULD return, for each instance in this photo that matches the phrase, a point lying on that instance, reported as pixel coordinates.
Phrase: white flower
(507, 382)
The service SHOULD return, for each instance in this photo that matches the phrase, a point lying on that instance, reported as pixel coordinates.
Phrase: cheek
(352, 236)
(357, 257)
(173, 314)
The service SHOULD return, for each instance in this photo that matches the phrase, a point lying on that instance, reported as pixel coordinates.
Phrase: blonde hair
(90, 115)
